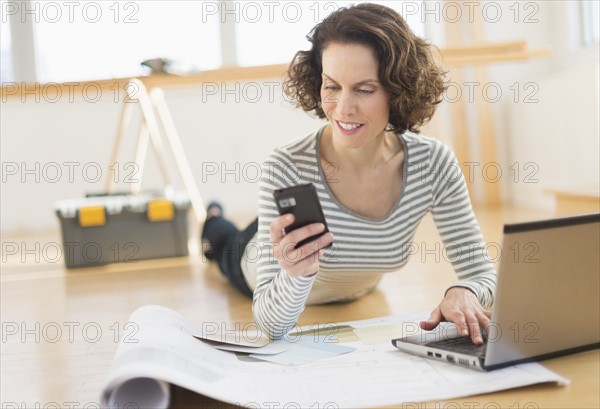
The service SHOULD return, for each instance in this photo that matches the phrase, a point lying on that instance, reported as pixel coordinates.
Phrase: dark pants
(228, 244)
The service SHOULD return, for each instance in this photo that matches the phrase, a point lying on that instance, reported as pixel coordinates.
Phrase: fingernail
(465, 332)
(321, 226)
(289, 218)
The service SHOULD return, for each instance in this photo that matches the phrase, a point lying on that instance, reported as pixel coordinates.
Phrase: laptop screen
(547, 301)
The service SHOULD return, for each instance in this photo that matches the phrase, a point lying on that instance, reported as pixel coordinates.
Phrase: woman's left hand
(461, 307)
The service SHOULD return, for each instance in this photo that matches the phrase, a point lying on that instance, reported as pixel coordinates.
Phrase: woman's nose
(346, 104)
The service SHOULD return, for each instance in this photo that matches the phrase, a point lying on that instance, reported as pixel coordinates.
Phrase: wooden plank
(477, 48)
(485, 59)
(453, 56)
(458, 114)
(51, 91)
(485, 124)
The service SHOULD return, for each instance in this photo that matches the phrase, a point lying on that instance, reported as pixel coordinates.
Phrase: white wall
(555, 141)
(548, 136)
(226, 137)
(545, 120)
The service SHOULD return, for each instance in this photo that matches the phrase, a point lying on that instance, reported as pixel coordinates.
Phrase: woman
(376, 83)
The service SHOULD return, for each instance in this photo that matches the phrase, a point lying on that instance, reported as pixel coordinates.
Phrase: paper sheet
(272, 348)
(372, 375)
(342, 333)
(250, 339)
(306, 350)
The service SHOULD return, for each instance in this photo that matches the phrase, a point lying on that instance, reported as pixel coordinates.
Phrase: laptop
(546, 304)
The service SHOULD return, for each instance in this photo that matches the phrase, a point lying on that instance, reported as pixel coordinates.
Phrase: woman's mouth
(348, 128)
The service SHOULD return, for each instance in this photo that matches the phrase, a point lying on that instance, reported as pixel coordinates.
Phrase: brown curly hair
(407, 68)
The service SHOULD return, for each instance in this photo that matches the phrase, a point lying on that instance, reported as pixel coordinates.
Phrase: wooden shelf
(480, 53)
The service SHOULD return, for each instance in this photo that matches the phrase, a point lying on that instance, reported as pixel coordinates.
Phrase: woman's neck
(367, 159)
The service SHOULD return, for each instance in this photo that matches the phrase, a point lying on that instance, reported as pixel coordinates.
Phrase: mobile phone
(303, 202)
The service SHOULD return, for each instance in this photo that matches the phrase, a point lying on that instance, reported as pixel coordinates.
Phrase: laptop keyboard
(461, 345)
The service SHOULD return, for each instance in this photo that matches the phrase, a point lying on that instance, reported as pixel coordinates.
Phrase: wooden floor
(60, 327)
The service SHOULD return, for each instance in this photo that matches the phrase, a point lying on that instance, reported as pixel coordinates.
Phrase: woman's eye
(335, 88)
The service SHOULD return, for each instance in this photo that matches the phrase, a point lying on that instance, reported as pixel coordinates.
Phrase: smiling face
(352, 97)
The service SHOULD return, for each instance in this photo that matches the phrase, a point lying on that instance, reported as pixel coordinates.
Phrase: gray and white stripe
(365, 248)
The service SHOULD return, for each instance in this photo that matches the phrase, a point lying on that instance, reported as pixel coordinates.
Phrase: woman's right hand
(303, 261)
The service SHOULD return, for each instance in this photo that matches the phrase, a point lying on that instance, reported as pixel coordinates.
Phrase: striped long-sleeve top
(363, 248)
